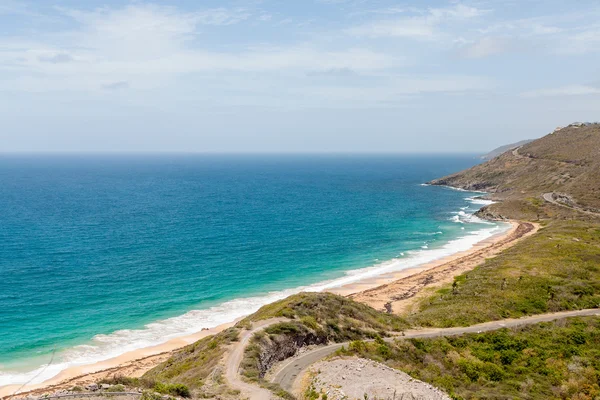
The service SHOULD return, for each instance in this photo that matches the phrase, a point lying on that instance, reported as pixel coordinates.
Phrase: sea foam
(104, 347)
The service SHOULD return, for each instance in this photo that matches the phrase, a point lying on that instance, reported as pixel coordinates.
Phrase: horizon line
(274, 153)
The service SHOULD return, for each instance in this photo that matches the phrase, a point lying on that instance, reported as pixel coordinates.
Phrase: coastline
(401, 292)
(370, 284)
(136, 363)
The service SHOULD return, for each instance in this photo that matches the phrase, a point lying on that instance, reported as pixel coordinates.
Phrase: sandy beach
(397, 290)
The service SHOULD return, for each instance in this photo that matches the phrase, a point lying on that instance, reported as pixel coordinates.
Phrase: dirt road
(287, 374)
(236, 354)
(549, 197)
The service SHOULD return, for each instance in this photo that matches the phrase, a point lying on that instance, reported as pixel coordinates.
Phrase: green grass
(318, 309)
(174, 389)
(554, 360)
(557, 269)
(193, 366)
(317, 318)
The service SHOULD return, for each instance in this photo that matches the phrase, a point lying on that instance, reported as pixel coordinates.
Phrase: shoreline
(136, 363)
(399, 294)
(368, 284)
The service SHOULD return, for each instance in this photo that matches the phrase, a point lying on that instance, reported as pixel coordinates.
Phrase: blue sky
(294, 76)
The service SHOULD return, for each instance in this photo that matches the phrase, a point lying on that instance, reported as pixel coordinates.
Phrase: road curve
(234, 358)
(549, 197)
(287, 374)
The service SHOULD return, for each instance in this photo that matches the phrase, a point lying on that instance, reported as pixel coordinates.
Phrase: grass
(120, 383)
(188, 370)
(322, 309)
(565, 162)
(316, 318)
(557, 269)
(554, 360)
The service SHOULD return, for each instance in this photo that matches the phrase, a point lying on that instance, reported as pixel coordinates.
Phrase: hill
(503, 149)
(566, 161)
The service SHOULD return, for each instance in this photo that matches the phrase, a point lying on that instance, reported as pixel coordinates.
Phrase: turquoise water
(102, 254)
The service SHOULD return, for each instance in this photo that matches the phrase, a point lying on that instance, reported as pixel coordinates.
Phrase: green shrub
(174, 389)
(546, 272)
(148, 395)
(551, 360)
(116, 388)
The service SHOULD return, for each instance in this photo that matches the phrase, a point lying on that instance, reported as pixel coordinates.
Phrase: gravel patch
(352, 378)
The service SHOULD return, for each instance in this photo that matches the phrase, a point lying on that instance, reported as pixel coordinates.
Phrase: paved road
(232, 364)
(549, 197)
(287, 375)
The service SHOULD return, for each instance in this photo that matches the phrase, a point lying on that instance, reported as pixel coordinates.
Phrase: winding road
(549, 197)
(235, 357)
(287, 374)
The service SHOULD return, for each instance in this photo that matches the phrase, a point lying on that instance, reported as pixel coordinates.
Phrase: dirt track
(287, 375)
(234, 358)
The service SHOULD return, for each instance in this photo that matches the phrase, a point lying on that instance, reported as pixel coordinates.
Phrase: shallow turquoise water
(94, 248)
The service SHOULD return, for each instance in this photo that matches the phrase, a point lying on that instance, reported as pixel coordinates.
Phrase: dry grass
(556, 269)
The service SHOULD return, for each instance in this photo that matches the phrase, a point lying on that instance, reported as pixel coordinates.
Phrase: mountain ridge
(565, 161)
(503, 149)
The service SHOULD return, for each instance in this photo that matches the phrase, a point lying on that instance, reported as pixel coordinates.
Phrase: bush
(174, 389)
(116, 388)
(554, 270)
(124, 380)
(552, 360)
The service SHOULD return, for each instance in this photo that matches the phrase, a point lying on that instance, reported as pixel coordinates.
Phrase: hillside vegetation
(552, 360)
(197, 367)
(502, 149)
(557, 269)
(566, 161)
(314, 318)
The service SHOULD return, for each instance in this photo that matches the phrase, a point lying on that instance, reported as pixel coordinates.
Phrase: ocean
(102, 254)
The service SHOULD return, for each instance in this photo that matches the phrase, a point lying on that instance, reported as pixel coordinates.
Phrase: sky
(293, 75)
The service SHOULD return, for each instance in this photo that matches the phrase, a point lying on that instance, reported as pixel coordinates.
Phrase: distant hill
(504, 149)
(566, 161)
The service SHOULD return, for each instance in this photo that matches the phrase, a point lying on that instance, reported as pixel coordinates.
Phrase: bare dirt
(353, 378)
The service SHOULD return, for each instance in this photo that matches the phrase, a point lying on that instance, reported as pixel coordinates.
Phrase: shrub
(116, 388)
(174, 389)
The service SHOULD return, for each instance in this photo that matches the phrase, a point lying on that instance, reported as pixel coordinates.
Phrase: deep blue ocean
(101, 254)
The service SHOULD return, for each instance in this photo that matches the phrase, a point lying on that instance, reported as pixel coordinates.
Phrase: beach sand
(399, 289)
(402, 290)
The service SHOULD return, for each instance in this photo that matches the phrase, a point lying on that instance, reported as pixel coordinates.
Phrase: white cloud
(570, 90)
(583, 41)
(484, 47)
(424, 25)
(148, 46)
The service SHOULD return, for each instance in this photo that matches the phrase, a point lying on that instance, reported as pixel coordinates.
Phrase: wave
(479, 201)
(463, 217)
(456, 188)
(104, 347)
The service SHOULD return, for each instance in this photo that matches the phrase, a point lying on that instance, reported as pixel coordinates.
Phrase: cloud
(570, 90)
(425, 25)
(585, 40)
(569, 33)
(485, 47)
(333, 72)
(116, 85)
(56, 58)
(151, 46)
